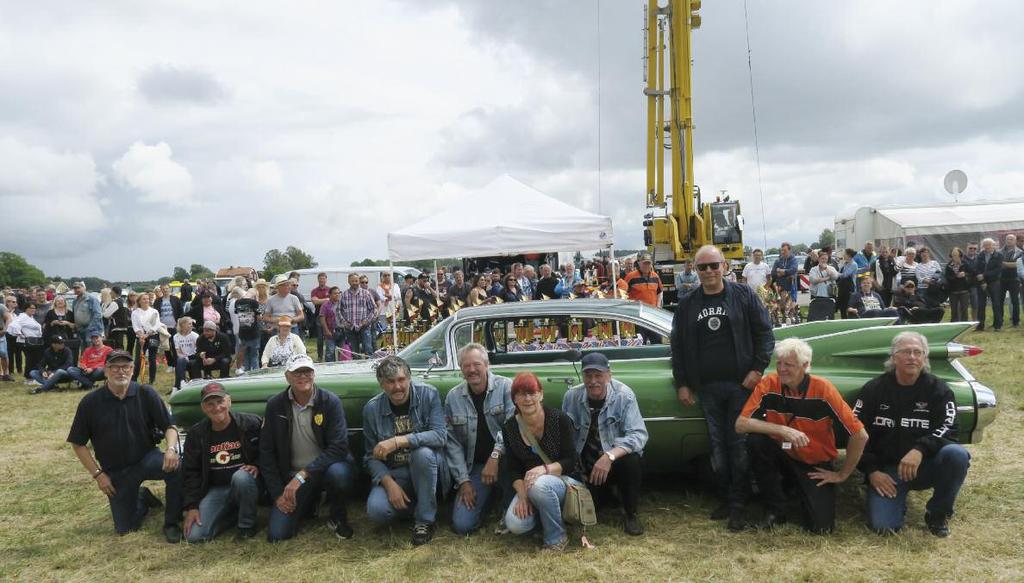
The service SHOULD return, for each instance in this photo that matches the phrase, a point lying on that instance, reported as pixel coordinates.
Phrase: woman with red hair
(539, 483)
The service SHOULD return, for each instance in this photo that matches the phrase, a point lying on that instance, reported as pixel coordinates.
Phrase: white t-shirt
(185, 345)
(756, 274)
(145, 321)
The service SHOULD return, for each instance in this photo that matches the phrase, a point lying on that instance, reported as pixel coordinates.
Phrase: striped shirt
(356, 308)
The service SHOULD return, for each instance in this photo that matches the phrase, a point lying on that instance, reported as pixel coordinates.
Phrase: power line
(753, 114)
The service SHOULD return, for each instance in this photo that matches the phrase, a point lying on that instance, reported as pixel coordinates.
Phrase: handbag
(578, 507)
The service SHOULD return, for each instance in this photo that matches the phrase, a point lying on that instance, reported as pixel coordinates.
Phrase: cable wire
(753, 114)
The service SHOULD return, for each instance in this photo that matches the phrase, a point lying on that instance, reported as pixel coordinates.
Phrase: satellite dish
(955, 182)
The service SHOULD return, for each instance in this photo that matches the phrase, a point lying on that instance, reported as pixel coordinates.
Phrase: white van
(338, 276)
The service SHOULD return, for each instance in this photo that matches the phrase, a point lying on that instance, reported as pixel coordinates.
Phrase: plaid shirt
(356, 308)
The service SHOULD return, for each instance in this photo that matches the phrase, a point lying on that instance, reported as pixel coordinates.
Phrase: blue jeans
(360, 341)
(251, 351)
(419, 481)
(466, 520)
(546, 496)
(182, 366)
(945, 472)
(226, 505)
(57, 376)
(338, 481)
(331, 342)
(128, 505)
(86, 380)
(722, 403)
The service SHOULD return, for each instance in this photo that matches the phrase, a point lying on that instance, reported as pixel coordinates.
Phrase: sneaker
(341, 529)
(7, 378)
(150, 499)
(172, 532)
(557, 547)
(937, 524)
(632, 526)
(31, 383)
(36, 391)
(720, 513)
(422, 534)
(501, 529)
(245, 534)
(239, 371)
(737, 520)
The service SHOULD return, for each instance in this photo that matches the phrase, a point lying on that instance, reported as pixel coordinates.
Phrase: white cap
(299, 361)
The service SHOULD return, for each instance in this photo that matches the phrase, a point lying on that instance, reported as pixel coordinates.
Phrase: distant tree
(276, 261)
(18, 273)
(772, 251)
(369, 262)
(199, 270)
(800, 248)
(826, 239)
(164, 280)
(180, 274)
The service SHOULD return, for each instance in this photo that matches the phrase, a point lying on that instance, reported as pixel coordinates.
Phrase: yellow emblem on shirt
(319, 419)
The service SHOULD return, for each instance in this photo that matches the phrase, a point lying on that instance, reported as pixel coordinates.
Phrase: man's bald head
(709, 254)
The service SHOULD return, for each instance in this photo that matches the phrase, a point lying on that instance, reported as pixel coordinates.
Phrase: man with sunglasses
(722, 341)
(913, 308)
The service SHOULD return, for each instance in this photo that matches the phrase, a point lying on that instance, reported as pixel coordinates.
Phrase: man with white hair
(911, 419)
(793, 417)
(989, 268)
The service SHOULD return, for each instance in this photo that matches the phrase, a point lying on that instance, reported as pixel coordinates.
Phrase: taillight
(972, 350)
(954, 350)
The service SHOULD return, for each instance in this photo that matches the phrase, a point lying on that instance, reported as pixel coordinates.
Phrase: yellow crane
(677, 223)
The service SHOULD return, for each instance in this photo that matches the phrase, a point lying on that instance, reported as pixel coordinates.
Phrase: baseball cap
(299, 361)
(118, 355)
(644, 257)
(214, 389)
(595, 361)
(57, 339)
(209, 325)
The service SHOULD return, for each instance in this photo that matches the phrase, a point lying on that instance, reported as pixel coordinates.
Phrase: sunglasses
(707, 266)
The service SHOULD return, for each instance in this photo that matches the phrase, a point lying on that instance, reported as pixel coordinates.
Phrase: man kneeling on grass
(911, 417)
(122, 418)
(404, 436)
(221, 469)
(793, 417)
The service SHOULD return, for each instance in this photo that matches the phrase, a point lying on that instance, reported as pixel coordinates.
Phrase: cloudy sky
(136, 136)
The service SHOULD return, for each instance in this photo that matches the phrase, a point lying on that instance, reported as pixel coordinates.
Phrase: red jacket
(93, 357)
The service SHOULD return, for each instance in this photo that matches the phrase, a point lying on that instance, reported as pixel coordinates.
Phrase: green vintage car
(547, 337)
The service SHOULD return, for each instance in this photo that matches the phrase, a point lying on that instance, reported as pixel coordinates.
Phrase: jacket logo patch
(921, 407)
(318, 419)
(883, 407)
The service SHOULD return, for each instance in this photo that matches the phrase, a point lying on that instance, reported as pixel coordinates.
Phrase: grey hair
(900, 339)
(988, 240)
(796, 347)
(474, 346)
(390, 367)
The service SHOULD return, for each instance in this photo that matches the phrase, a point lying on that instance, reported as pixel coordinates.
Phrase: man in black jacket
(53, 368)
(213, 351)
(722, 341)
(990, 269)
(220, 469)
(910, 416)
(303, 451)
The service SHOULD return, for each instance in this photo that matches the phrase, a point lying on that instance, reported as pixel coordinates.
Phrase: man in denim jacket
(475, 411)
(404, 436)
(610, 436)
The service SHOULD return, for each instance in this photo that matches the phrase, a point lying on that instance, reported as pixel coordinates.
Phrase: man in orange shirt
(644, 284)
(792, 417)
(91, 362)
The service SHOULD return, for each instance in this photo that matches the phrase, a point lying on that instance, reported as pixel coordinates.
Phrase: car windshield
(419, 353)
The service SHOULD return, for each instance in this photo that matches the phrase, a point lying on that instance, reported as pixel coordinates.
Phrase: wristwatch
(299, 478)
(495, 455)
(610, 455)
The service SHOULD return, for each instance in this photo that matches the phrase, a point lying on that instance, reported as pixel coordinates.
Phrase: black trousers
(222, 364)
(770, 465)
(15, 356)
(625, 475)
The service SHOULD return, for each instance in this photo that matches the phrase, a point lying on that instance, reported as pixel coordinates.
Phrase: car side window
(467, 333)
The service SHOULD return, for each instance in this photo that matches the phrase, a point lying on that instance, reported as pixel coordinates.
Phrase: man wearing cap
(54, 367)
(124, 421)
(403, 442)
(610, 436)
(220, 469)
(303, 452)
(88, 314)
(284, 303)
(421, 296)
(722, 341)
(213, 351)
(644, 285)
(474, 412)
(90, 363)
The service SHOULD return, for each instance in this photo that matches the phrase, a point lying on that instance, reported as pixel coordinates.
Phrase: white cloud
(151, 171)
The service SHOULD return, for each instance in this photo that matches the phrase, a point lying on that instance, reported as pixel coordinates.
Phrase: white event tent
(506, 217)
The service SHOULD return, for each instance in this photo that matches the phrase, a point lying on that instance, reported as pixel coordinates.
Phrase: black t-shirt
(546, 288)
(403, 426)
(122, 431)
(484, 441)
(592, 447)
(225, 455)
(714, 340)
(248, 312)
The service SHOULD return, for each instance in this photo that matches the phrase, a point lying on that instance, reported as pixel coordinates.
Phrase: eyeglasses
(119, 367)
(306, 372)
(916, 352)
(707, 266)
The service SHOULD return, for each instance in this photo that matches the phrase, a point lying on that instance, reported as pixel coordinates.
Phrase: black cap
(595, 361)
(56, 339)
(424, 276)
(118, 355)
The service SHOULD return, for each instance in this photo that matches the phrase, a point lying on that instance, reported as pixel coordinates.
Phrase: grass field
(55, 524)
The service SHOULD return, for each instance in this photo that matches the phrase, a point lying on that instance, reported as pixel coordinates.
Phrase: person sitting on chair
(913, 309)
(866, 303)
(822, 279)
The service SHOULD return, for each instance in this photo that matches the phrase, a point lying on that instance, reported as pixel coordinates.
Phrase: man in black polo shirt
(125, 420)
